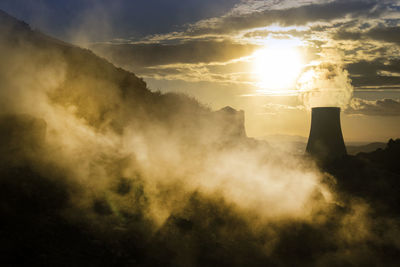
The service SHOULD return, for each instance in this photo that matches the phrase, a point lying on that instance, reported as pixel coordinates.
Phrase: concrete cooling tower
(325, 142)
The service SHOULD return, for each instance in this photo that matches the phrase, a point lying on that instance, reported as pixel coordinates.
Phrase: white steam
(325, 84)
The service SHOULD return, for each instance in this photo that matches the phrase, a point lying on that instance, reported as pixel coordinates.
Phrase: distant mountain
(355, 149)
(386, 157)
(284, 138)
(298, 144)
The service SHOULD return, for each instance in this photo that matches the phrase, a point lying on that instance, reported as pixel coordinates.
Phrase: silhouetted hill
(105, 96)
(355, 149)
(374, 176)
(60, 105)
(386, 158)
(298, 144)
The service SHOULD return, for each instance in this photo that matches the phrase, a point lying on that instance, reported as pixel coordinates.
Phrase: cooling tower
(325, 142)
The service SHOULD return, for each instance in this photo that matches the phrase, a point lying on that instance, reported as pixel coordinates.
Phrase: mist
(206, 158)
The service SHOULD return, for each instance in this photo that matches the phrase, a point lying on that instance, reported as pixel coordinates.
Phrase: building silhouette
(325, 142)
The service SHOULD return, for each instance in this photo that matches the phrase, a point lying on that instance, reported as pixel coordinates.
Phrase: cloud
(193, 61)
(124, 18)
(274, 108)
(372, 67)
(381, 33)
(286, 17)
(195, 51)
(189, 52)
(377, 72)
(197, 73)
(325, 84)
(382, 107)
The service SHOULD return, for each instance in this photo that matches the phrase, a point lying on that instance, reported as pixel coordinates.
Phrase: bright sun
(277, 69)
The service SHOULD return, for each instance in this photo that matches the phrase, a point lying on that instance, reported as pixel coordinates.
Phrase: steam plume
(325, 84)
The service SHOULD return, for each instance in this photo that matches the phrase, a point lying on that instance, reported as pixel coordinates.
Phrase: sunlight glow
(276, 69)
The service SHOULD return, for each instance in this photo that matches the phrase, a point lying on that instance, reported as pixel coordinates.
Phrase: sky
(273, 59)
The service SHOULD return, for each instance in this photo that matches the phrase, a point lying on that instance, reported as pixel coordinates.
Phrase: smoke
(325, 84)
(94, 162)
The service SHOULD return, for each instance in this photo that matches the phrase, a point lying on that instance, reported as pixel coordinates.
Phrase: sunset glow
(277, 69)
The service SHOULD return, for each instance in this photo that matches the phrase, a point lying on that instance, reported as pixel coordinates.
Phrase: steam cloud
(325, 84)
(160, 153)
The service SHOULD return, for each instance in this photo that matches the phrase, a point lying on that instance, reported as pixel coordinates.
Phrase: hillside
(353, 149)
(86, 145)
(105, 96)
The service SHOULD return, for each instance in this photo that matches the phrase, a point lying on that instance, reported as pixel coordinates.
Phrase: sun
(277, 69)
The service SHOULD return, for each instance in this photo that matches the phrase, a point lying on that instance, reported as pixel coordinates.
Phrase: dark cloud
(383, 107)
(369, 73)
(123, 18)
(294, 16)
(142, 55)
(266, 33)
(347, 35)
(389, 34)
(386, 34)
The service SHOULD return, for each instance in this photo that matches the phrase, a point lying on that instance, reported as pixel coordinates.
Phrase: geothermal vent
(325, 142)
